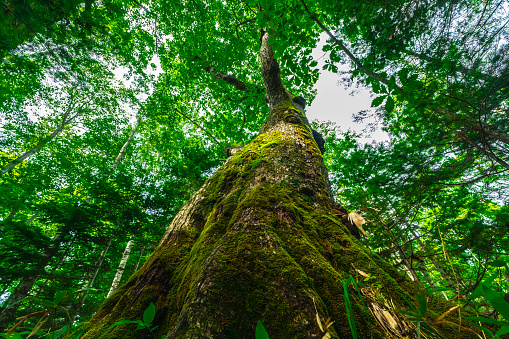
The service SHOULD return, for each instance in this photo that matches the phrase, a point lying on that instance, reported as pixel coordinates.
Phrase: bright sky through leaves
(337, 103)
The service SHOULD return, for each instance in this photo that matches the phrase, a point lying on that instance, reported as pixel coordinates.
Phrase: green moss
(262, 244)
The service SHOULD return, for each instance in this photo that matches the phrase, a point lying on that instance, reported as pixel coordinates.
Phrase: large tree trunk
(260, 242)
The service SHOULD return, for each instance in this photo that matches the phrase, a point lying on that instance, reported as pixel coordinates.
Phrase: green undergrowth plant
(145, 323)
(53, 308)
(496, 300)
(348, 304)
(418, 314)
(426, 326)
(260, 332)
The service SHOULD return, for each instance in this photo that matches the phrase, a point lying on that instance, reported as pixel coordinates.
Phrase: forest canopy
(94, 166)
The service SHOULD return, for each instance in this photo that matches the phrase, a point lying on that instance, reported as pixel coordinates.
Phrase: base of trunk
(260, 242)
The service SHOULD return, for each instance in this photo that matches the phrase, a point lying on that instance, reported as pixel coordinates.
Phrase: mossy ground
(258, 242)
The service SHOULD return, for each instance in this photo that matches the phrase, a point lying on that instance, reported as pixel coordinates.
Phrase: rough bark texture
(257, 242)
(260, 241)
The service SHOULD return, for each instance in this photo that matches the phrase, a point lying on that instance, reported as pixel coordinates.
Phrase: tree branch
(347, 51)
(36, 148)
(199, 126)
(488, 153)
(126, 144)
(229, 79)
(271, 74)
(484, 128)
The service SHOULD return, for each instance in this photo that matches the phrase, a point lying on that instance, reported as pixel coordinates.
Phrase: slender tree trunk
(439, 268)
(32, 218)
(422, 268)
(10, 216)
(91, 280)
(121, 266)
(127, 143)
(260, 242)
(119, 158)
(65, 121)
(410, 270)
(27, 282)
(139, 257)
(62, 257)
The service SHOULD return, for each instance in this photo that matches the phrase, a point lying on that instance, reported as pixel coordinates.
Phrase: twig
(348, 53)
(199, 126)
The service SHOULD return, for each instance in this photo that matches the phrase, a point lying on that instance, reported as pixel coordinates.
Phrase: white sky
(333, 102)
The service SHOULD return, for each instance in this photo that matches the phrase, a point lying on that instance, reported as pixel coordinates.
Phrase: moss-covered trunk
(262, 240)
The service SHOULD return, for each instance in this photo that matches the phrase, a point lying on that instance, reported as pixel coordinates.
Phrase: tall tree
(265, 224)
(260, 241)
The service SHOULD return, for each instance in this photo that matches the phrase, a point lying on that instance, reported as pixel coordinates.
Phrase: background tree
(441, 81)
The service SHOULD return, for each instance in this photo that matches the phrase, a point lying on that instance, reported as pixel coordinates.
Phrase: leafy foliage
(107, 158)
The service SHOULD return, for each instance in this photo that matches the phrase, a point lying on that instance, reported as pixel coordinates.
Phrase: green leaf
(149, 314)
(142, 325)
(422, 302)
(378, 100)
(487, 320)
(389, 104)
(481, 327)
(61, 331)
(407, 313)
(59, 296)
(376, 85)
(391, 84)
(79, 334)
(122, 322)
(349, 312)
(261, 333)
(360, 297)
(313, 63)
(497, 263)
(503, 330)
(46, 303)
(479, 289)
(497, 301)
(441, 289)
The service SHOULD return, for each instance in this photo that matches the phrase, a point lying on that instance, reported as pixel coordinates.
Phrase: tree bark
(260, 242)
(121, 266)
